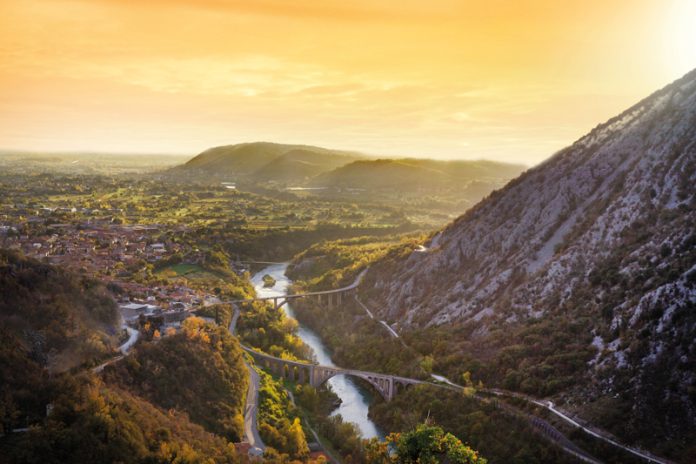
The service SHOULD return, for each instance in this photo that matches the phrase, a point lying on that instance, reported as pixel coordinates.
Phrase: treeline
(281, 244)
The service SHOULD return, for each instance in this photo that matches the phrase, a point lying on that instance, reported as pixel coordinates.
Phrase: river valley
(354, 399)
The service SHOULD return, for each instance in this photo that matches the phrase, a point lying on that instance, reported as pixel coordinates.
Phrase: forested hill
(579, 277)
(50, 322)
(60, 320)
(334, 170)
(408, 174)
(54, 326)
(198, 371)
(264, 161)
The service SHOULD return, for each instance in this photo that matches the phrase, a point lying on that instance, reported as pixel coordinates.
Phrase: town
(125, 257)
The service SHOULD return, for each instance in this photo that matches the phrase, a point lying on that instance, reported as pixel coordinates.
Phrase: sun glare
(680, 36)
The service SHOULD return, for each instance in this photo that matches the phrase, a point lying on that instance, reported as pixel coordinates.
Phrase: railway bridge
(316, 375)
(331, 297)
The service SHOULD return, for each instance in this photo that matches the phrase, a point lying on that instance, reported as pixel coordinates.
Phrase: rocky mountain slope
(602, 235)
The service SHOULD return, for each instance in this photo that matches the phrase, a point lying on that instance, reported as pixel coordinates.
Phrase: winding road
(133, 336)
(251, 408)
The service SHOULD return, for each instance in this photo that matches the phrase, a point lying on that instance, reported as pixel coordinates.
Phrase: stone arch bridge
(331, 297)
(316, 375)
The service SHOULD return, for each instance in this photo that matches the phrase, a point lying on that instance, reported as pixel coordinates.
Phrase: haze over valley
(311, 232)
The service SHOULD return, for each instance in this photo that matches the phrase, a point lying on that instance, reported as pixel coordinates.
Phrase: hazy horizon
(375, 231)
(489, 80)
(187, 156)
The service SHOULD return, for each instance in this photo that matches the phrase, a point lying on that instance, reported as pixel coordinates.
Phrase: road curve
(133, 336)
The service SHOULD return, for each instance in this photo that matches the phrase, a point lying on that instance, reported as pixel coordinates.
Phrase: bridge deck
(340, 370)
(350, 287)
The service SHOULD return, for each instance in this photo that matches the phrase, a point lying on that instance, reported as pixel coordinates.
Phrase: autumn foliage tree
(198, 371)
(426, 444)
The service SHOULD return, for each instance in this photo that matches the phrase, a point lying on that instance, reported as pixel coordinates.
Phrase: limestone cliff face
(529, 244)
(604, 229)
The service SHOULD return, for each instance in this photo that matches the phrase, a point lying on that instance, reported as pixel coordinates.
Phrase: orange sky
(500, 79)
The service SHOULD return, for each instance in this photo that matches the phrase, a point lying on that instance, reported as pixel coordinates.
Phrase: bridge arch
(386, 385)
(316, 375)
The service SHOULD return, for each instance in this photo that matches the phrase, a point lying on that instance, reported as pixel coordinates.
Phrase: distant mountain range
(335, 172)
(418, 174)
(264, 161)
(578, 279)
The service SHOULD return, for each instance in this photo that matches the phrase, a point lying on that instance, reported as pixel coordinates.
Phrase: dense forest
(199, 371)
(51, 321)
(53, 326)
(94, 422)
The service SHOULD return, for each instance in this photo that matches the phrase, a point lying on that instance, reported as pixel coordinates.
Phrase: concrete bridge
(331, 297)
(316, 375)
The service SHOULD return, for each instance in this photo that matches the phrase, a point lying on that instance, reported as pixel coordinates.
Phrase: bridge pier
(315, 374)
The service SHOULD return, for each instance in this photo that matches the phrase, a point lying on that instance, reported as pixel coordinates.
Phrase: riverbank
(355, 401)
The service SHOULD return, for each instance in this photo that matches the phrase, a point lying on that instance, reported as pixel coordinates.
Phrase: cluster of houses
(96, 247)
(114, 253)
